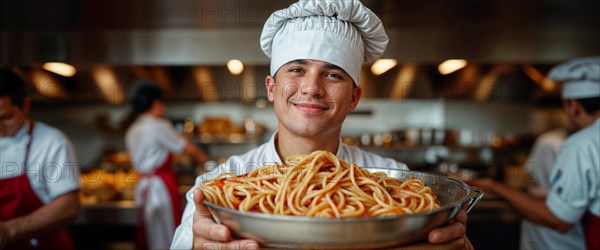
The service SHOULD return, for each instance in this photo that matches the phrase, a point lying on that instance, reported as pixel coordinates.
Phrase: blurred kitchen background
(461, 89)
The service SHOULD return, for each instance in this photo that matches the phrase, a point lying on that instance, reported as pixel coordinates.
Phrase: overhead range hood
(205, 32)
(185, 44)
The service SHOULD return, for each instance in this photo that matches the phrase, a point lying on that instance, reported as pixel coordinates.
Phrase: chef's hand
(3, 235)
(210, 235)
(453, 234)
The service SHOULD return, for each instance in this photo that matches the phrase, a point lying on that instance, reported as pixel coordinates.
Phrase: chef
(572, 207)
(39, 176)
(317, 49)
(539, 165)
(152, 143)
(575, 183)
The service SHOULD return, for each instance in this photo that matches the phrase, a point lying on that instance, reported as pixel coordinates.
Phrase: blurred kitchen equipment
(113, 178)
(352, 233)
(413, 137)
(517, 177)
(99, 185)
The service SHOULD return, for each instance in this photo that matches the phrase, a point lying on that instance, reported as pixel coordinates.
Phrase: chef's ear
(572, 107)
(270, 84)
(356, 94)
(26, 104)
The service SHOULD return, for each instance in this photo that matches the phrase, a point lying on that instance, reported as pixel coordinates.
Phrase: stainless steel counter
(121, 213)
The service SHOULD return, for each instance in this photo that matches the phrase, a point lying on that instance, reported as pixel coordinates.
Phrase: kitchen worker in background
(574, 195)
(152, 142)
(539, 166)
(39, 176)
(317, 49)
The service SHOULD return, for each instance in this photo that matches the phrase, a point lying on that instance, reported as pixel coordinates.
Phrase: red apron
(168, 176)
(18, 199)
(591, 226)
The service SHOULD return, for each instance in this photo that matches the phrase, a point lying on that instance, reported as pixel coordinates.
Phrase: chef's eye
(295, 70)
(334, 75)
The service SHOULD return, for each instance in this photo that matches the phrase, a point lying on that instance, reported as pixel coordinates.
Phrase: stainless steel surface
(351, 233)
(475, 198)
(117, 213)
(205, 31)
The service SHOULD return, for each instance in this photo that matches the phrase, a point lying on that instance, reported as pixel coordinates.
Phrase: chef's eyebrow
(298, 61)
(333, 66)
(305, 62)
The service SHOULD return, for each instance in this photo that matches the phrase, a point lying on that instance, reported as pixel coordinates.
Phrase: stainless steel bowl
(352, 233)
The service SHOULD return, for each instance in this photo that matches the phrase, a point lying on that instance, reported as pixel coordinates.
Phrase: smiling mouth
(310, 108)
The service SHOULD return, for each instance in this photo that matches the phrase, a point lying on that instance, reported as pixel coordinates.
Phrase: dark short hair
(590, 105)
(144, 94)
(13, 87)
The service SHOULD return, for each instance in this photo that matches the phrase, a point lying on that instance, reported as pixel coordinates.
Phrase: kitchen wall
(83, 122)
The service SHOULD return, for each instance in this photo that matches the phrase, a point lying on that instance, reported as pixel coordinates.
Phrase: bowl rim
(294, 218)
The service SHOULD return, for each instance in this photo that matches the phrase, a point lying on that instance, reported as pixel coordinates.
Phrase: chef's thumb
(198, 196)
(204, 225)
(201, 209)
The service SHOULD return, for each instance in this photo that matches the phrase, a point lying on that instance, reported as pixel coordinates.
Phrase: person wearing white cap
(574, 188)
(575, 184)
(317, 49)
(539, 165)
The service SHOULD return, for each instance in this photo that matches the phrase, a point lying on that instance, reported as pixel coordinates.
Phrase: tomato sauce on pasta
(319, 185)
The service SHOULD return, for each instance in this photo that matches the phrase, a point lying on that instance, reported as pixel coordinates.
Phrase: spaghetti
(319, 185)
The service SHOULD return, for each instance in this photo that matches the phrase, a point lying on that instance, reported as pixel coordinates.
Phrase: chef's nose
(312, 85)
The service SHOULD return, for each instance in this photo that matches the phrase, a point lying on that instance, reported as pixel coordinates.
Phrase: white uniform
(539, 165)
(575, 185)
(150, 140)
(51, 167)
(258, 157)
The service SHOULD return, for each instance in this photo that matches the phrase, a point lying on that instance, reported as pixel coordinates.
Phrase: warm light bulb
(451, 65)
(46, 84)
(235, 66)
(382, 65)
(62, 69)
(106, 80)
(548, 85)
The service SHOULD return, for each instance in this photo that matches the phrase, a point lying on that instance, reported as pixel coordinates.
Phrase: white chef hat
(580, 77)
(343, 32)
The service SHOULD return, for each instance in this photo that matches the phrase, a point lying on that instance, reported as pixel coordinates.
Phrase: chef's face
(12, 117)
(578, 118)
(311, 98)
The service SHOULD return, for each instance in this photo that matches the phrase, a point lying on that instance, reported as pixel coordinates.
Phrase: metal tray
(298, 232)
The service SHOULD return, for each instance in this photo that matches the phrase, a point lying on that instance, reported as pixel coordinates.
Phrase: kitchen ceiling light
(382, 65)
(545, 83)
(404, 81)
(451, 65)
(235, 66)
(62, 69)
(206, 84)
(46, 84)
(106, 80)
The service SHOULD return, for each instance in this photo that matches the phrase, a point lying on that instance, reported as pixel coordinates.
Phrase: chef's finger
(204, 226)
(462, 217)
(234, 245)
(201, 209)
(447, 233)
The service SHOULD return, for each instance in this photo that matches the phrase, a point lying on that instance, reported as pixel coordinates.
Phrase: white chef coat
(539, 165)
(264, 155)
(575, 181)
(51, 167)
(149, 141)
